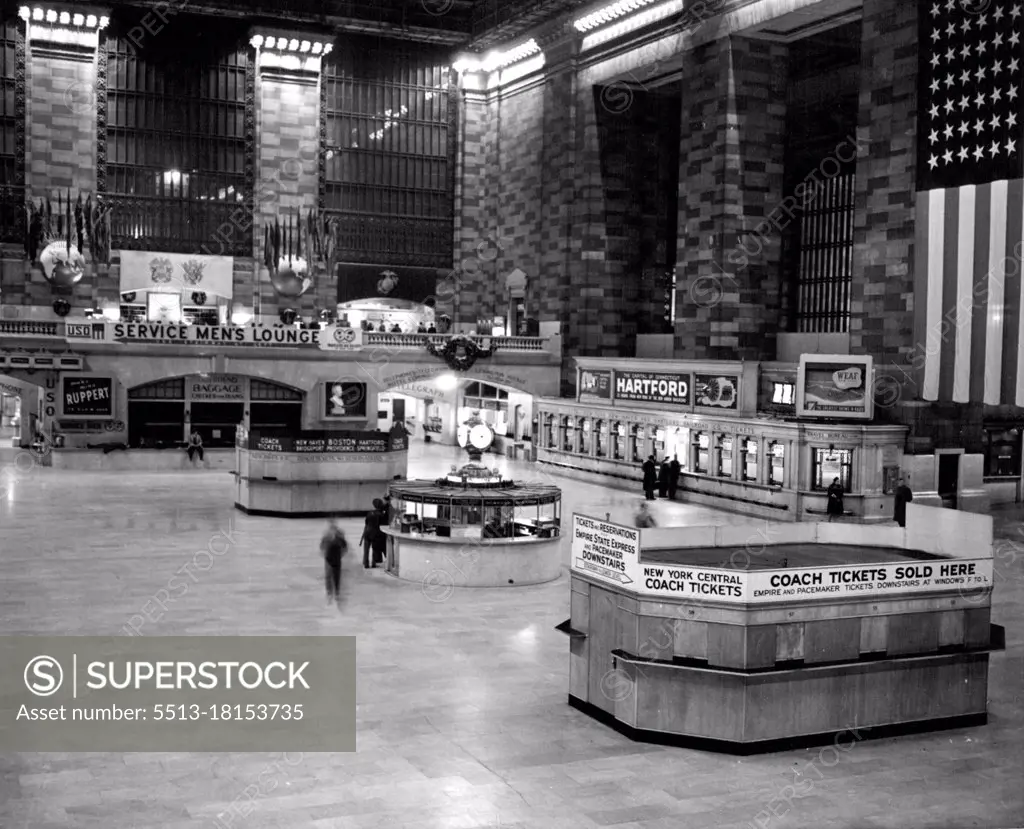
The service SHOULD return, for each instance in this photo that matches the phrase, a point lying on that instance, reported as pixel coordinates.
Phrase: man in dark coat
(675, 469)
(903, 497)
(834, 493)
(650, 477)
(664, 474)
(371, 533)
(333, 547)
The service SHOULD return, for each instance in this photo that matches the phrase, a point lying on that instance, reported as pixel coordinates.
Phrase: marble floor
(463, 721)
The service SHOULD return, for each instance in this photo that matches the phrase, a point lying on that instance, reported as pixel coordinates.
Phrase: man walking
(333, 547)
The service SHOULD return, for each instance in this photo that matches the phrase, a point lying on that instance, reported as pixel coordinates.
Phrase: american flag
(970, 201)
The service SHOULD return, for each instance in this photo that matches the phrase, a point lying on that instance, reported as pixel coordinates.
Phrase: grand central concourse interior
(661, 363)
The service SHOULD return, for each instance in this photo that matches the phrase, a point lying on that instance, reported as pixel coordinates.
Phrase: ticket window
(601, 438)
(749, 451)
(724, 456)
(639, 444)
(619, 441)
(550, 431)
(700, 453)
(568, 434)
(675, 443)
(827, 464)
(659, 444)
(776, 463)
(586, 436)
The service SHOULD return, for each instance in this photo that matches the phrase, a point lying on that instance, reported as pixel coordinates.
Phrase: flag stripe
(922, 290)
(979, 325)
(936, 217)
(994, 334)
(948, 330)
(1012, 316)
(964, 295)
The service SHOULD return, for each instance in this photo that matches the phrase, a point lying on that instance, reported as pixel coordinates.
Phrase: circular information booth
(474, 529)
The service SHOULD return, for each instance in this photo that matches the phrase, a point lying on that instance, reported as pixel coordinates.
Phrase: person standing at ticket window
(674, 471)
(664, 476)
(650, 477)
(903, 496)
(834, 493)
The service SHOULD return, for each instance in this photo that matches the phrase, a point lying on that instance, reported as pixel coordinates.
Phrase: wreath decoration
(460, 352)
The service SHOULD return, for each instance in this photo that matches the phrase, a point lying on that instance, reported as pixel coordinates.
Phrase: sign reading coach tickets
(605, 551)
(180, 694)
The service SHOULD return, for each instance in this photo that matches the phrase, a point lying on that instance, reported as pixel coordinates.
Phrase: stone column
(731, 199)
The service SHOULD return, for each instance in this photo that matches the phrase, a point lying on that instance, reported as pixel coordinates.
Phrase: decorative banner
(595, 385)
(146, 271)
(344, 400)
(339, 338)
(91, 397)
(216, 388)
(247, 336)
(834, 386)
(332, 443)
(716, 391)
(652, 387)
(357, 282)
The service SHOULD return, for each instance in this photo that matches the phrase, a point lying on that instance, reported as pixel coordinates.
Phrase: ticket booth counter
(474, 536)
(755, 638)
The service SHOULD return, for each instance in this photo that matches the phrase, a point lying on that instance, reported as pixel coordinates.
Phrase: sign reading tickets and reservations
(91, 397)
(653, 387)
(610, 553)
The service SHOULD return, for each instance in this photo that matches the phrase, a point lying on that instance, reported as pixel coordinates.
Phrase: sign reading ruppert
(200, 693)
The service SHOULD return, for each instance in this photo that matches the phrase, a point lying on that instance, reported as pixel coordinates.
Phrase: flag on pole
(969, 320)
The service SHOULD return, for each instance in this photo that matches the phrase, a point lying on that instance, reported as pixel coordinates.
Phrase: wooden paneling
(603, 640)
(691, 639)
(977, 622)
(656, 637)
(831, 640)
(951, 628)
(690, 702)
(579, 649)
(913, 633)
(874, 633)
(726, 646)
(789, 642)
(761, 646)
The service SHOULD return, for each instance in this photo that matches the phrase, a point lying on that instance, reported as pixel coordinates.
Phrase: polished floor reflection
(463, 721)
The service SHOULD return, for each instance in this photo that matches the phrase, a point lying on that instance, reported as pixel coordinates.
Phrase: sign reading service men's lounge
(87, 396)
(651, 387)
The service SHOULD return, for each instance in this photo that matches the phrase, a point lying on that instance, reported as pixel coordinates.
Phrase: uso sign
(91, 397)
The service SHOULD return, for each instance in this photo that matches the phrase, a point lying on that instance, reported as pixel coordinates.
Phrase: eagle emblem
(161, 271)
(193, 269)
(387, 283)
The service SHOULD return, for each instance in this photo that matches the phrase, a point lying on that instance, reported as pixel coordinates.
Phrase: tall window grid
(177, 150)
(12, 186)
(391, 154)
(825, 257)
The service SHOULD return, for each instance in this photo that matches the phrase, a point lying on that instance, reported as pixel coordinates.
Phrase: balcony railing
(81, 332)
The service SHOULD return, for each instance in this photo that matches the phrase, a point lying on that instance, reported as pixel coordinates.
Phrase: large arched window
(12, 129)
(179, 137)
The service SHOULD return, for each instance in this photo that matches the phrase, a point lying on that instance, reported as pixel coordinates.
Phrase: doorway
(949, 478)
(397, 411)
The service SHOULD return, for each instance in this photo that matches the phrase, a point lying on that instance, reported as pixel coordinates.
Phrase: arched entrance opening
(164, 412)
(435, 406)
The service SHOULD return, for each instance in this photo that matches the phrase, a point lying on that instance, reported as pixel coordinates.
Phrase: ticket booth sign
(837, 387)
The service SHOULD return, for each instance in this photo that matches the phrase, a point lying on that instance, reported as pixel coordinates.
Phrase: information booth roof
(513, 495)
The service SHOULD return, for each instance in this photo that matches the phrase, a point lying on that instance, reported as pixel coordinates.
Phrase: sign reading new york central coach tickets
(194, 694)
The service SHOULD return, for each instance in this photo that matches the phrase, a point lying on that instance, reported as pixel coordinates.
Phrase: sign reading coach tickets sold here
(611, 553)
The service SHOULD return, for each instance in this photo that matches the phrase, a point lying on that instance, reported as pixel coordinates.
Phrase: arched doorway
(163, 413)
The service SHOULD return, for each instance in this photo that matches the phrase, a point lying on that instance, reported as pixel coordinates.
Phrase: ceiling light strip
(55, 17)
(610, 13)
(636, 21)
(285, 43)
